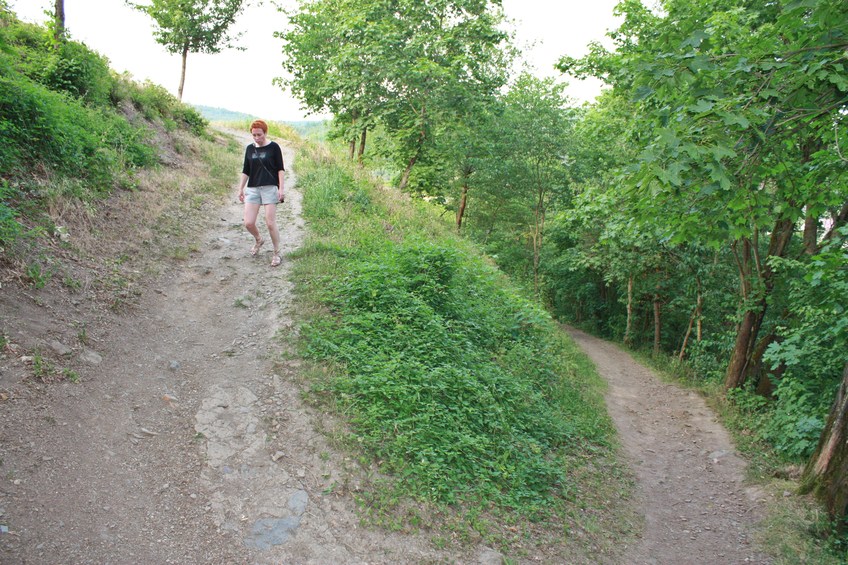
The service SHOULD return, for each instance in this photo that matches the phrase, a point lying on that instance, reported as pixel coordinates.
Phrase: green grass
(461, 392)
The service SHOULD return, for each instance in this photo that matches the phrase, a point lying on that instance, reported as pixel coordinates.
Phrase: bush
(80, 72)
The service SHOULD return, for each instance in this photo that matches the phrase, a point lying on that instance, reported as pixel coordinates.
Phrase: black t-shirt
(262, 165)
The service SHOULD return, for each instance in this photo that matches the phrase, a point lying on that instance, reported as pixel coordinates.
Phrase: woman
(262, 173)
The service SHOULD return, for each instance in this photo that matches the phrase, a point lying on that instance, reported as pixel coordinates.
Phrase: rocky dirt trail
(186, 440)
(690, 481)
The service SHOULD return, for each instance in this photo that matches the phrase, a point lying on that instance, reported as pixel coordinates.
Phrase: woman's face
(258, 136)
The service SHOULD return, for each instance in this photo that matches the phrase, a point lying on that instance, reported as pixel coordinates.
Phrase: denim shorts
(261, 195)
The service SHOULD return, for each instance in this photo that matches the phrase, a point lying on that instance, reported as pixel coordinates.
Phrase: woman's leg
(271, 222)
(251, 212)
(273, 231)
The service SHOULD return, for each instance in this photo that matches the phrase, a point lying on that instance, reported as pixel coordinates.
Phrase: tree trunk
(657, 324)
(700, 333)
(538, 230)
(182, 74)
(361, 153)
(460, 212)
(351, 149)
(811, 229)
(59, 22)
(404, 179)
(745, 361)
(628, 326)
(699, 308)
(746, 335)
(687, 334)
(826, 474)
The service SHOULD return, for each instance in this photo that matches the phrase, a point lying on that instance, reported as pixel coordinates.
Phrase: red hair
(259, 124)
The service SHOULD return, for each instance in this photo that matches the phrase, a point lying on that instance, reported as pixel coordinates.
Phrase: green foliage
(193, 26)
(157, 104)
(797, 419)
(812, 349)
(457, 386)
(80, 72)
(10, 229)
(412, 69)
(37, 275)
(83, 142)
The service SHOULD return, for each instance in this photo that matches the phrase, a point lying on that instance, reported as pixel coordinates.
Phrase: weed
(70, 375)
(37, 276)
(42, 368)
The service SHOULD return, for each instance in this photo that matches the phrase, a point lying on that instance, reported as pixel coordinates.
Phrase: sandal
(256, 247)
(275, 262)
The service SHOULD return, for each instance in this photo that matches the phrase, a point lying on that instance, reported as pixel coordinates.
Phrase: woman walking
(262, 185)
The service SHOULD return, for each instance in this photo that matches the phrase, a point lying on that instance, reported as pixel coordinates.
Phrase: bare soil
(177, 433)
(690, 481)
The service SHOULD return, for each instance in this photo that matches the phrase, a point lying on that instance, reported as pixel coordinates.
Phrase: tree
(406, 65)
(745, 101)
(333, 67)
(192, 26)
(524, 171)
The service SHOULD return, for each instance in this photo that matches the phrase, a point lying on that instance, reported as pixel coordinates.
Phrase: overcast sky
(242, 80)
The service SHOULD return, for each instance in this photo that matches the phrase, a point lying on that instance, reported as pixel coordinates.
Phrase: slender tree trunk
(59, 22)
(628, 326)
(538, 231)
(746, 335)
(539, 228)
(746, 359)
(351, 149)
(700, 318)
(361, 153)
(699, 309)
(182, 74)
(404, 179)
(460, 211)
(826, 474)
(657, 324)
(811, 228)
(687, 334)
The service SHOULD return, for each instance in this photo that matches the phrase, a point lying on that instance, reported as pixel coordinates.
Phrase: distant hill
(307, 128)
(221, 114)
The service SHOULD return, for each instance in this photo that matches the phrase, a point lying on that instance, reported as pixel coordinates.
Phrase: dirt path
(690, 480)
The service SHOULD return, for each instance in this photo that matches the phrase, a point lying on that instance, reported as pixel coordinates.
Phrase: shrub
(80, 72)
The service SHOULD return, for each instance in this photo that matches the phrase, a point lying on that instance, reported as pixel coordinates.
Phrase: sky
(242, 81)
